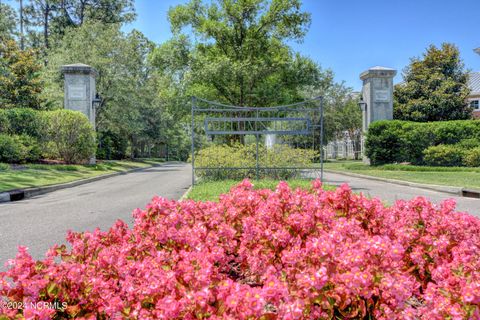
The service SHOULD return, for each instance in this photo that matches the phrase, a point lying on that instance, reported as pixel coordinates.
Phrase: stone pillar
(377, 93)
(80, 91)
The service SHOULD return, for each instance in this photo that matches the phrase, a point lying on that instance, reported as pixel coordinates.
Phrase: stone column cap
(378, 72)
(79, 68)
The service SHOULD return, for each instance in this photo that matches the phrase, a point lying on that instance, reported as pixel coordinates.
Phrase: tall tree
(239, 53)
(48, 20)
(8, 22)
(434, 87)
(40, 13)
(130, 114)
(20, 83)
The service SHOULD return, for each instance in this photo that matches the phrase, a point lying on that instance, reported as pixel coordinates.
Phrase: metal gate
(278, 142)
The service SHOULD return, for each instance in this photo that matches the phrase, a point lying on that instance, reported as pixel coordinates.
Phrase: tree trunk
(46, 24)
(22, 45)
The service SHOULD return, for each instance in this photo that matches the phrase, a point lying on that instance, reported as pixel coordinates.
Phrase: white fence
(345, 149)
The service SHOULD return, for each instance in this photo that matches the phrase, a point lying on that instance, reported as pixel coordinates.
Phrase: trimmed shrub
(386, 142)
(24, 121)
(469, 143)
(471, 158)
(444, 156)
(68, 136)
(403, 141)
(11, 149)
(243, 156)
(31, 147)
(4, 122)
(18, 149)
(261, 254)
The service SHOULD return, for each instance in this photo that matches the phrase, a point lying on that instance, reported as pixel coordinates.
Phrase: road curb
(16, 195)
(184, 196)
(458, 191)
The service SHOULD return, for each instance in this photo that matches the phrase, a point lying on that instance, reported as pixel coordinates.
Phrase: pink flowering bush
(261, 254)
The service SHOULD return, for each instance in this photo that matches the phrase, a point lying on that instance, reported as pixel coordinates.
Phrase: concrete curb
(184, 196)
(458, 191)
(16, 195)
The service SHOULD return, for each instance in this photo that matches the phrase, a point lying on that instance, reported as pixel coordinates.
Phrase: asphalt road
(43, 221)
(390, 192)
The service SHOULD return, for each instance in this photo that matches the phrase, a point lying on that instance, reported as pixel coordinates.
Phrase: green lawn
(36, 175)
(448, 176)
(209, 191)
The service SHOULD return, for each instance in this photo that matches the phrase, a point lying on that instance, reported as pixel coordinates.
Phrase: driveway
(390, 192)
(43, 221)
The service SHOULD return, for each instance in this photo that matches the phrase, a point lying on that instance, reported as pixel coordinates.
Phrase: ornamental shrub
(386, 142)
(18, 149)
(444, 155)
(11, 149)
(471, 158)
(68, 135)
(403, 141)
(243, 156)
(24, 121)
(261, 254)
(4, 123)
(31, 147)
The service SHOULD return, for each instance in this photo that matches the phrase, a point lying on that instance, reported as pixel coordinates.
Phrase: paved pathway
(391, 192)
(42, 221)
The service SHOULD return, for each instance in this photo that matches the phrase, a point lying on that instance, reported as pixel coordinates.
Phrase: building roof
(474, 82)
(382, 68)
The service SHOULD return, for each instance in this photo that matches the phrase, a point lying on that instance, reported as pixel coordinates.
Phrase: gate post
(377, 95)
(80, 91)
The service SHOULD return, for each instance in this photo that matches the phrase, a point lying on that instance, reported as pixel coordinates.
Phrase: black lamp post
(362, 104)
(97, 101)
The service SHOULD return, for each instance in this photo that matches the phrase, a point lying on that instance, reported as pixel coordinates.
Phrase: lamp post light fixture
(97, 101)
(362, 104)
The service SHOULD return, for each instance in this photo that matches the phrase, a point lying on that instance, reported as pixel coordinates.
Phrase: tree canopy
(20, 82)
(434, 87)
(8, 22)
(239, 52)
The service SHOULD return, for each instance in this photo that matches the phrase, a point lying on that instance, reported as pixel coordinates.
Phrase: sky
(350, 36)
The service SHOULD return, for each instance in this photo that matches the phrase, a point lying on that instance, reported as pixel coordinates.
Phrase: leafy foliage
(471, 157)
(129, 106)
(68, 135)
(21, 121)
(443, 155)
(262, 254)
(434, 88)
(8, 20)
(29, 135)
(219, 158)
(20, 84)
(404, 141)
(239, 56)
(48, 20)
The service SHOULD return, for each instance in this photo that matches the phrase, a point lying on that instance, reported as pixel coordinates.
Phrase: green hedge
(444, 155)
(222, 157)
(28, 135)
(18, 149)
(403, 141)
(471, 157)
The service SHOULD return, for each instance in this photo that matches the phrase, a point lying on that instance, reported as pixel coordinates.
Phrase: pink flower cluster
(261, 254)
